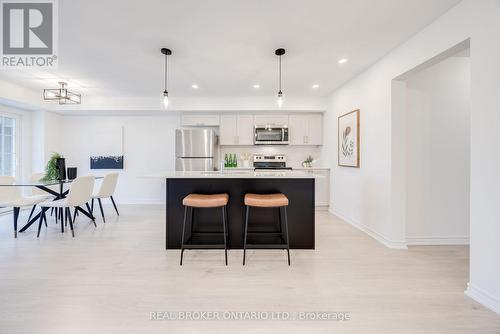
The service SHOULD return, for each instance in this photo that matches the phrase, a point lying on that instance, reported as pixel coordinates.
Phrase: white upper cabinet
(271, 119)
(236, 129)
(245, 125)
(314, 133)
(200, 120)
(306, 129)
(297, 130)
(228, 130)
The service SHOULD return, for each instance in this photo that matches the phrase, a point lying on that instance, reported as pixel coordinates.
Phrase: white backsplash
(294, 154)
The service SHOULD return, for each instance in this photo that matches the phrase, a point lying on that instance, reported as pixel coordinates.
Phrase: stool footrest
(198, 234)
(266, 246)
(209, 246)
(279, 234)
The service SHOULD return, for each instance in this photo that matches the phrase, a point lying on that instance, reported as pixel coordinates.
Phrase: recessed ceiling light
(315, 86)
(195, 86)
(343, 60)
(256, 86)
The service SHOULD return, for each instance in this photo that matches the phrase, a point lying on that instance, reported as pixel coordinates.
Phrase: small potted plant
(55, 169)
(308, 162)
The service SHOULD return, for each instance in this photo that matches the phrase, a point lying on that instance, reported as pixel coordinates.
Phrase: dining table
(54, 188)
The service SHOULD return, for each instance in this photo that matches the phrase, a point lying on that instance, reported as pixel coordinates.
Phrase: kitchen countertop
(294, 168)
(234, 173)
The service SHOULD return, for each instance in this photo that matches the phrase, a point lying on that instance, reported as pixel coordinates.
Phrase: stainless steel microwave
(271, 134)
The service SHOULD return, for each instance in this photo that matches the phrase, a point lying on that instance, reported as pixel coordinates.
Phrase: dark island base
(300, 193)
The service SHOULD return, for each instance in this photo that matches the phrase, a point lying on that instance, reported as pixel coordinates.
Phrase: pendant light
(166, 52)
(279, 98)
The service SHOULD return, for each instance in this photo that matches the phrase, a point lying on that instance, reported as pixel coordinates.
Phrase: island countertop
(237, 174)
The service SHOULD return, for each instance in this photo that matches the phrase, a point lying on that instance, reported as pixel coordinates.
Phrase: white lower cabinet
(322, 187)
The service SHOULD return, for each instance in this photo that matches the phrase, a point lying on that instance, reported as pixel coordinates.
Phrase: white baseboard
(436, 241)
(395, 244)
(483, 298)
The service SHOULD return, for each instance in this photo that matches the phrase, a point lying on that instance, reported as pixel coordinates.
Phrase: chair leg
(65, 214)
(92, 207)
(183, 232)
(16, 217)
(286, 235)
(102, 211)
(31, 213)
(74, 215)
(68, 214)
(245, 233)
(45, 220)
(114, 204)
(91, 214)
(61, 218)
(42, 215)
(225, 231)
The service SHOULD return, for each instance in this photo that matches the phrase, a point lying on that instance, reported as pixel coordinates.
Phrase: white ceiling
(112, 47)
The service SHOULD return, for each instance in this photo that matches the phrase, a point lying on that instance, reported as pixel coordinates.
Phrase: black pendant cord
(166, 74)
(279, 92)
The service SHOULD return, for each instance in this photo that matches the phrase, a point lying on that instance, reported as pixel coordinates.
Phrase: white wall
(46, 138)
(438, 153)
(367, 198)
(149, 147)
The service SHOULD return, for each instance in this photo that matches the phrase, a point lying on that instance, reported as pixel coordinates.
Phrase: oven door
(271, 135)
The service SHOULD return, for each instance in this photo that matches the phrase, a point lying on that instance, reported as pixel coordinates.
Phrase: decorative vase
(61, 168)
(72, 173)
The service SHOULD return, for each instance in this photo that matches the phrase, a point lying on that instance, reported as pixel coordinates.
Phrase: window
(8, 146)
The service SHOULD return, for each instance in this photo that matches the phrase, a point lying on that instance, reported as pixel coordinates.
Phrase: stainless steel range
(270, 162)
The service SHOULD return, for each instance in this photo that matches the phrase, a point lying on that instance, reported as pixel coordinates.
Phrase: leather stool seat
(205, 201)
(266, 201)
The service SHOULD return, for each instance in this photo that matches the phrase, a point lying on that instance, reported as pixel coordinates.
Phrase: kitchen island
(296, 185)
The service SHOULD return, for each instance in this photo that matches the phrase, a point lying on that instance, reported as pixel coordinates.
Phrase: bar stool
(200, 201)
(279, 201)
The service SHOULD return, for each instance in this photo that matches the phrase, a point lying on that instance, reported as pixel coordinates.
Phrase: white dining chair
(39, 192)
(79, 194)
(106, 190)
(11, 197)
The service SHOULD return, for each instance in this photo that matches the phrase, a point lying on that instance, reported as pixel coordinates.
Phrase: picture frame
(349, 139)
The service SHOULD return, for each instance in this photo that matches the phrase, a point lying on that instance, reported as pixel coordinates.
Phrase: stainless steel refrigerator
(196, 149)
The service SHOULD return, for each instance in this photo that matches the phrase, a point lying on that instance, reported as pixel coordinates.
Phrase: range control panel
(269, 158)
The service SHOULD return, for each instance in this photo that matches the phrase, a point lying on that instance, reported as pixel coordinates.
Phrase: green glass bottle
(235, 161)
(226, 161)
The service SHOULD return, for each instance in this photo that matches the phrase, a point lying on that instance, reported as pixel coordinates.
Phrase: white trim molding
(482, 297)
(436, 241)
(394, 244)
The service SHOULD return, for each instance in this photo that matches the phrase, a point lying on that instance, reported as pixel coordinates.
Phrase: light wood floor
(109, 279)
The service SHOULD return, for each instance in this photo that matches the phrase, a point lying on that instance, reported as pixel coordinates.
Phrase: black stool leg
(225, 231)
(183, 232)
(245, 233)
(286, 234)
